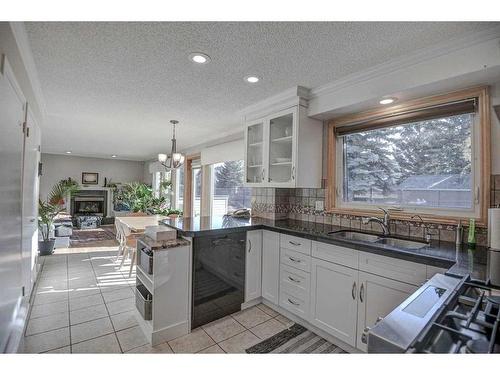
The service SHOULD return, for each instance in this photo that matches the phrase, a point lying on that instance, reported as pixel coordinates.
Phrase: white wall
(58, 167)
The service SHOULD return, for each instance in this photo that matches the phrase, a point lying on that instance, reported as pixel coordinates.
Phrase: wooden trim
(484, 112)
(188, 186)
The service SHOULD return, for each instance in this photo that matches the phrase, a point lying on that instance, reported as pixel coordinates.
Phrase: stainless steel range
(445, 315)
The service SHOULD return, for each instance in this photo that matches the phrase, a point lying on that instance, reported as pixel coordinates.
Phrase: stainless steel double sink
(372, 238)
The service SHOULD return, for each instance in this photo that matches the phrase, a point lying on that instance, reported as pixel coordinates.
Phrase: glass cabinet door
(254, 163)
(281, 144)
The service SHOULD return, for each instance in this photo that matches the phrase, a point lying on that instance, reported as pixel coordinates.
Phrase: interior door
(30, 192)
(378, 296)
(334, 299)
(282, 144)
(11, 144)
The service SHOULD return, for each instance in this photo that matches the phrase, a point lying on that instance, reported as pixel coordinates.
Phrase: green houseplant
(49, 209)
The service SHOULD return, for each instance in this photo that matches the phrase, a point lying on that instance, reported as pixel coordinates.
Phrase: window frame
(481, 168)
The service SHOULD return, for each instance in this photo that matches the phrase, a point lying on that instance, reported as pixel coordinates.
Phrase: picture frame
(90, 178)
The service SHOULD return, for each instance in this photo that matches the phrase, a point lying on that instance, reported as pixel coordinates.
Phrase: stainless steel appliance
(445, 315)
(218, 285)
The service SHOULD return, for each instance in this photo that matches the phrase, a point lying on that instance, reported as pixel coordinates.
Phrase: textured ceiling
(110, 88)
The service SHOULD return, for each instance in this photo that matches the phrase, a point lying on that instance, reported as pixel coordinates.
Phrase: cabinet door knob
(353, 291)
(362, 292)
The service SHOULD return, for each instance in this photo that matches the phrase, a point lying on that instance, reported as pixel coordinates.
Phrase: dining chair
(130, 247)
(120, 238)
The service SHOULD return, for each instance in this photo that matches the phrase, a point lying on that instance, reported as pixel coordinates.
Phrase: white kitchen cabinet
(377, 297)
(283, 149)
(270, 266)
(333, 303)
(253, 265)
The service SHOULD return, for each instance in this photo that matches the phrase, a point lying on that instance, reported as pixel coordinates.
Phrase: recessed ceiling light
(68, 152)
(252, 79)
(387, 101)
(199, 58)
(113, 156)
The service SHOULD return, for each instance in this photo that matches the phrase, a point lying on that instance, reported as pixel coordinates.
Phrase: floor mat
(82, 236)
(296, 339)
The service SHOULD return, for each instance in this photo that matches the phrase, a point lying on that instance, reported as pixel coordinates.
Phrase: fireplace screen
(89, 206)
(89, 202)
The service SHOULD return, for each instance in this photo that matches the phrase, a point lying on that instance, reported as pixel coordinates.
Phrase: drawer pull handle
(295, 260)
(293, 302)
(353, 292)
(294, 280)
(294, 243)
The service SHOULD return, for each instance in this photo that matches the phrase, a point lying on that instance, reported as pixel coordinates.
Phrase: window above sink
(429, 156)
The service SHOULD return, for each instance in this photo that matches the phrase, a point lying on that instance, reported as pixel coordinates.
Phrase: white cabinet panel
(334, 299)
(255, 162)
(296, 279)
(253, 274)
(396, 269)
(294, 301)
(378, 296)
(296, 260)
(336, 254)
(302, 245)
(270, 266)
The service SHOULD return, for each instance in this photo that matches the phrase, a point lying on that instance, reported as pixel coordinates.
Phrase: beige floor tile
(47, 341)
(90, 330)
(214, 349)
(120, 306)
(63, 350)
(240, 342)
(194, 342)
(38, 311)
(105, 344)
(88, 313)
(84, 302)
(47, 323)
(251, 317)
(148, 349)
(117, 294)
(268, 310)
(268, 329)
(124, 320)
(223, 329)
(131, 338)
(50, 297)
(83, 292)
(283, 319)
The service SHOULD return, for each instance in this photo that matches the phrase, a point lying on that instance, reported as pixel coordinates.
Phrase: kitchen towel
(494, 228)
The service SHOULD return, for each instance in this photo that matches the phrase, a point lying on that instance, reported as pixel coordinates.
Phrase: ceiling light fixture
(199, 58)
(68, 152)
(175, 159)
(113, 156)
(387, 101)
(252, 79)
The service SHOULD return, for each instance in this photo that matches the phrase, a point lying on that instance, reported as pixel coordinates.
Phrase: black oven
(218, 286)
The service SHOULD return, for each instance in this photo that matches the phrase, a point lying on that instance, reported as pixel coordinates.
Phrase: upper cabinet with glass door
(284, 149)
(254, 156)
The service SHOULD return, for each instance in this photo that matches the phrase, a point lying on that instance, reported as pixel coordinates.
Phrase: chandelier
(175, 159)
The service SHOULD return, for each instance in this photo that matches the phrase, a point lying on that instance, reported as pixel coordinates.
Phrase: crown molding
(21, 38)
(297, 95)
(406, 61)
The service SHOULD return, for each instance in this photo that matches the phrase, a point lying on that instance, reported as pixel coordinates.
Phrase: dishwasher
(218, 285)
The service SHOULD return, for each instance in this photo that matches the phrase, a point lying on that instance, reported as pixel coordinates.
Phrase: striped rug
(295, 339)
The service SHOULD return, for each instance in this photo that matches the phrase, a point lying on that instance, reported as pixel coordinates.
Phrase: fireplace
(89, 203)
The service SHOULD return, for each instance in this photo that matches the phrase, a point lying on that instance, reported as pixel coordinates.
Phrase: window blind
(408, 116)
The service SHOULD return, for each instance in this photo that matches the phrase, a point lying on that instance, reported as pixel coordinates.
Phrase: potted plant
(49, 209)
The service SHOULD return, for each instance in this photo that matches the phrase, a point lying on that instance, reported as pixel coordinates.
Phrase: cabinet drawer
(296, 260)
(294, 279)
(396, 269)
(301, 245)
(335, 254)
(294, 304)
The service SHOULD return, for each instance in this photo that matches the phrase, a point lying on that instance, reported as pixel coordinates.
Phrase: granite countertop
(459, 261)
(164, 245)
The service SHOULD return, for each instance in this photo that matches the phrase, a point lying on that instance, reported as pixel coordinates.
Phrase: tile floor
(84, 303)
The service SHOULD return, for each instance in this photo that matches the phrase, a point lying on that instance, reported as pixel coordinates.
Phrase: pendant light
(175, 159)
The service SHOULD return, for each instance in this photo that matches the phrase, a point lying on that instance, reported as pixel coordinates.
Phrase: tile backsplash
(299, 204)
